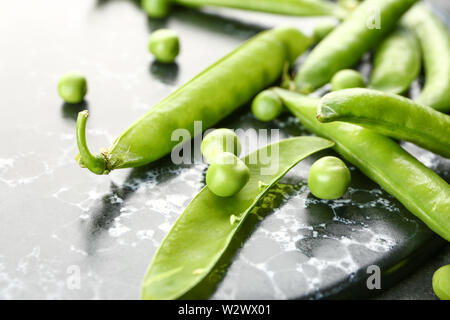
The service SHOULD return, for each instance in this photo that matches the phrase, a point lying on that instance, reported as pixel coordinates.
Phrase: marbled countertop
(68, 234)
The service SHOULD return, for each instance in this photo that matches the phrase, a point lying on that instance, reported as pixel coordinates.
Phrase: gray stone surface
(58, 221)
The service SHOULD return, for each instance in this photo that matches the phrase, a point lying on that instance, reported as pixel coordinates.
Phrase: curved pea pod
(389, 114)
(397, 62)
(419, 189)
(346, 44)
(286, 7)
(209, 97)
(204, 231)
(434, 38)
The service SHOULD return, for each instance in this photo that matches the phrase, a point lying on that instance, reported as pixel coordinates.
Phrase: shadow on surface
(109, 206)
(216, 23)
(70, 110)
(272, 201)
(165, 72)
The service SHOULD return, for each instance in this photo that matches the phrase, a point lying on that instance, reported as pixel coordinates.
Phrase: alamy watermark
(188, 151)
(373, 20)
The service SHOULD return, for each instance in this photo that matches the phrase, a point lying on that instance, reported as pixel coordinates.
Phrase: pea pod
(419, 189)
(389, 114)
(161, 8)
(434, 38)
(397, 62)
(206, 228)
(209, 97)
(346, 44)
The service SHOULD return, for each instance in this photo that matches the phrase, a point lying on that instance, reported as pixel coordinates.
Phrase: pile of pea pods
(361, 119)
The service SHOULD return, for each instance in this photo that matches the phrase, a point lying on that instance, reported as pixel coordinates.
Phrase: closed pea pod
(161, 8)
(389, 114)
(208, 97)
(419, 189)
(206, 228)
(434, 38)
(396, 63)
(346, 44)
(322, 29)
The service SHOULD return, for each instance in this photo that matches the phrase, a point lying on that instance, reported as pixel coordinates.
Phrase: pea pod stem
(205, 230)
(209, 97)
(419, 189)
(389, 114)
(94, 162)
(346, 44)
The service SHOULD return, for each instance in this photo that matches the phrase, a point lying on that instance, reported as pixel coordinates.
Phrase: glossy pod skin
(322, 29)
(209, 97)
(389, 114)
(161, 8)
(397, 62)
(346, 44)
(419, 189)
(434, 39)
(207, 226)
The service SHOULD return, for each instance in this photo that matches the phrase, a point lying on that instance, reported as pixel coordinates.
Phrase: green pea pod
(346, 44)
(434, 38)
(397, 62)
(419, 189)
(206, 228)
(209, 97)
(389, 114)
(286, 7)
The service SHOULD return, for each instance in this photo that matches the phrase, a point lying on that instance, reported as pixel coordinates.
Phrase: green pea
(72, 87)
(156, 8)
(329, 178)
(441, 282)
(227, 175)
(322, 29)
(267, 106)
(164, 45)
(346, 79)
(219, 141)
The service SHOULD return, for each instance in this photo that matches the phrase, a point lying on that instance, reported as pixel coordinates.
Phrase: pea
(72, 87)
(164, 45)
(156, 8)
(328, 178)
(346, 79)
(441, 282)
(267, 106)
(227, 175)
(219, 141)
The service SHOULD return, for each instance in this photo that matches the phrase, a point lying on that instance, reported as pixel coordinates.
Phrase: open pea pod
(204, 231)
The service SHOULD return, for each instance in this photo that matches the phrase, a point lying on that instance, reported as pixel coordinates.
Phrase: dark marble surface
(58, 221)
